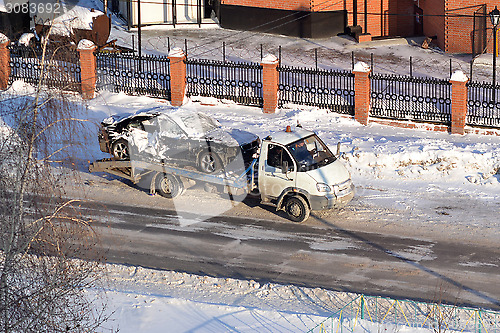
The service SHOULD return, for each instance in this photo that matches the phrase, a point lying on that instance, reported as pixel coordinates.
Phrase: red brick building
(457, 26)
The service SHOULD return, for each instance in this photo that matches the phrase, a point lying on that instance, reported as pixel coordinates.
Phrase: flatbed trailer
(294, 171)
(173, 178)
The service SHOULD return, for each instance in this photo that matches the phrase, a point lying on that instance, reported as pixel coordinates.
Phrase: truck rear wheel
(297, 209)
(169, 186)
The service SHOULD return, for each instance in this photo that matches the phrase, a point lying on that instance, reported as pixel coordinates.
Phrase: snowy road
(317, 254)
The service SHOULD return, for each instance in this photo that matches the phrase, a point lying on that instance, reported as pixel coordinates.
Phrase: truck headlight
(322, 187)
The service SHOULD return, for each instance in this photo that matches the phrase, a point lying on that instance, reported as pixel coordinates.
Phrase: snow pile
(459, 76)
(76, 18)
(270, 59)
(85, 44)
(146, 300)
(25, 38)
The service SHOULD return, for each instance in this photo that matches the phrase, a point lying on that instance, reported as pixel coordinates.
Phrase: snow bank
(146, 300)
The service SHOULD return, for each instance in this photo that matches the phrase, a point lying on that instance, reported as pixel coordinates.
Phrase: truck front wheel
(297, 209)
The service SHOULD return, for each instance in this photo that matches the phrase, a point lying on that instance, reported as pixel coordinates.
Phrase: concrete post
(458, 102)
(270, 83)
(4, 62)
(177, 76)
(86, 49)
(361, 92)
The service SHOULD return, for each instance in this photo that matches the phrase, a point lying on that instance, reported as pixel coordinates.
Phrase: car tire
(120, 150)
(297, 209)
(209, 162)
(169, 186)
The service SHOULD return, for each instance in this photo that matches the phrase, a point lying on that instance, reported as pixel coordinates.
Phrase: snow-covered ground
(445, 186)
(438, 179)
(145, 300)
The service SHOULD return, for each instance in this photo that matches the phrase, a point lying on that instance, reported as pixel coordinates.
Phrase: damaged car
(175, 136)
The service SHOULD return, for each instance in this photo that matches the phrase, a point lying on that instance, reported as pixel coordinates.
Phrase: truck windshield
(310, 153)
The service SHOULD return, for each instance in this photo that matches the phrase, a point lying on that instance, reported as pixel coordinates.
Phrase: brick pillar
(177, 76)
(4, 62)
(458, 102)
(361, 92)
(86, 49)
(270, 83)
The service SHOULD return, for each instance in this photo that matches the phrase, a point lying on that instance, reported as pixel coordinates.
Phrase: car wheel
(209, 162)
(297, 209)
(120, 150)
(169, 186)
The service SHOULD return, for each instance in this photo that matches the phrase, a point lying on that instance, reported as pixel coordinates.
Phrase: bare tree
(43, 287)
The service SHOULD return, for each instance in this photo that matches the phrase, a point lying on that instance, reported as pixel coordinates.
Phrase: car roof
(285, 138)
(169, 111)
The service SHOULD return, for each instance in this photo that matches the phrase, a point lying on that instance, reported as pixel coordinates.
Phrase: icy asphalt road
(322, 252)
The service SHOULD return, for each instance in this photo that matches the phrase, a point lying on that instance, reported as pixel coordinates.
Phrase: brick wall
(396, 17)
(434, 25)
(459, 29)
(277, 4)
(405, 18)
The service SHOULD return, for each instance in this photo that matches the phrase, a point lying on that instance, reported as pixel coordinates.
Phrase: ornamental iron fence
(483, 104)
(411, 98)
(361, 313)
(58, 67)
(136, 75)
(238, 82)
(329, 89)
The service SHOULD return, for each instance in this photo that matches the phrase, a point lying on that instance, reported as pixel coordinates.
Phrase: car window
(169, 128)
(197, 124)
(135, 124)
(276, 155)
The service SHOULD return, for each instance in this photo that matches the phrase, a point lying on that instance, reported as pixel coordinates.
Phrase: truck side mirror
(284, 167)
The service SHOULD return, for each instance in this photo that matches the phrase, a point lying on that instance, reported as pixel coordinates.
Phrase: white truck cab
(298, 173)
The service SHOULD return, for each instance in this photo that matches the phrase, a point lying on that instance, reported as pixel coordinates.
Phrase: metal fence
(60, 67)
(329, 89)
(483, 105)
(410, 98)
(239, 82)
(361, 313)
(144, 75)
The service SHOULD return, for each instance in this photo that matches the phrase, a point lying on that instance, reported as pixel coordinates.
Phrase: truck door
(272, 179)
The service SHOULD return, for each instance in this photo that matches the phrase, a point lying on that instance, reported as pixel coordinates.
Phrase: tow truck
(294, 171)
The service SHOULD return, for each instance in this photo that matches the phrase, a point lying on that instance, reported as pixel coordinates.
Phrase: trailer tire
(169, 186)
(297, 209)
(120, 150)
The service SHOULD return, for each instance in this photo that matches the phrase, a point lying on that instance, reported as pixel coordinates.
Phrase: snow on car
(176, 136)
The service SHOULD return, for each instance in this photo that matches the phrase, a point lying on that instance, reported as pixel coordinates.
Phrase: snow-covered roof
(75, 18)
